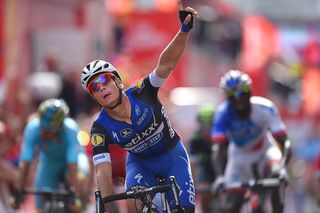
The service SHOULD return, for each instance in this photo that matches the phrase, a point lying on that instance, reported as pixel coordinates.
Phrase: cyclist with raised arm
(52, 137)
(135, 120)
(200, 155)
(256, 136)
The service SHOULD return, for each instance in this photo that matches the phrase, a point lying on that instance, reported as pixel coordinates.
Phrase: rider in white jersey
(251, 128)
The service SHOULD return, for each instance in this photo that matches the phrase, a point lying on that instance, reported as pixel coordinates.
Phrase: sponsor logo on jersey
(125, 132)
(139, 86)
(140, 137)
(152, 141)
(137, 110)
(115, 136)
(102, 157)
(97, 139)
(147, 138)
(171, 131)
(143, 116)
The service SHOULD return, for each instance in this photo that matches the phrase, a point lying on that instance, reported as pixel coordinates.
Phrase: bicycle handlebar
(138, 194)
(265, 183)
(259, 184)
(48, 192)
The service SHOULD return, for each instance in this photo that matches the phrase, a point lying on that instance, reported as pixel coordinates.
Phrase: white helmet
(235, 81)
(95, 67)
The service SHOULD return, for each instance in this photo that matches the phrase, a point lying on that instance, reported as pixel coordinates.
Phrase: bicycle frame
(254, 185)
(142, 195)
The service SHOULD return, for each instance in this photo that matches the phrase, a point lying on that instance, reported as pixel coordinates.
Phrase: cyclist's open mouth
(106, 96)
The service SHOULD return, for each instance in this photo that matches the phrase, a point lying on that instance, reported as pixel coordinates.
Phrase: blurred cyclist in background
(135, 120)
(52, 137)
(200, 155)
(9, 173)
(317, 177)
(252, 126)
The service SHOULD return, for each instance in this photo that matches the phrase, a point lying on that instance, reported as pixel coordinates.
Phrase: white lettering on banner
(141, 33)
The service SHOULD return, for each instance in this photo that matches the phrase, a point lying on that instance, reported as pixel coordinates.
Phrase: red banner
(260, 44)
(1, 39)
(146, 34)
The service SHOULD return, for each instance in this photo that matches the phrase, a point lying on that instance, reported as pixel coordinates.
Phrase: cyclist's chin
(110, 104)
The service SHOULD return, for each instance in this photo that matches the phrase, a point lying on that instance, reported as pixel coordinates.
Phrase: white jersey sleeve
(275, 123)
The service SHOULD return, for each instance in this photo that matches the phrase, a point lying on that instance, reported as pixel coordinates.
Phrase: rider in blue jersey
(135, 120)
(250, 127)
(52, 136)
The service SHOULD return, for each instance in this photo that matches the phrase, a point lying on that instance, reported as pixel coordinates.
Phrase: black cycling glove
(185, 27)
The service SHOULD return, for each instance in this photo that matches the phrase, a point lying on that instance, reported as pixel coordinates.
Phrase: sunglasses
(101, 80)
(237, 93)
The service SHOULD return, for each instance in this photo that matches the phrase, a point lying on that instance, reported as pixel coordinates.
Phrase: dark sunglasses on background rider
(237, 93)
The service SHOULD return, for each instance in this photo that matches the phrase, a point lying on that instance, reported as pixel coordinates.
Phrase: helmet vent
(88, 67)
(106, 66)
(84, 79)
(100, 68)
(95, 63)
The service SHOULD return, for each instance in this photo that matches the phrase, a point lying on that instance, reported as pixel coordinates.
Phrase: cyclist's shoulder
(223, 112)
(33, 124)
(263, 104)
(261, 101)
(223, 107)
(70, 123)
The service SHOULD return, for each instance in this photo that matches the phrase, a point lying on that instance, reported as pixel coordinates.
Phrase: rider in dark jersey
(200, 155)
(136, 120)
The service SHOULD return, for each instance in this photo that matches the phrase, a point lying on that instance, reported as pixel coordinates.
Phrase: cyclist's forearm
(171, 54)
(285, 146)
(24, 168)
(104, 178)
(219, 157)
(73, 179)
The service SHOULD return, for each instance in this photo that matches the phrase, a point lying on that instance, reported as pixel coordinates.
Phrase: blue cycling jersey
(149, 134)
(154, 147)
(54, 155)
(264, 117)
(63, 149)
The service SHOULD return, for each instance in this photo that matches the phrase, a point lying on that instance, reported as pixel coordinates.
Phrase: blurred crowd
(281, 56)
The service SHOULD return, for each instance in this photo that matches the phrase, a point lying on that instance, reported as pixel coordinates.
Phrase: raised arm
(171, 54)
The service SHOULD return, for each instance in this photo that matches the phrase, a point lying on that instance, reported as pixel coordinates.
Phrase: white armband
(100, 158)
(155, 80)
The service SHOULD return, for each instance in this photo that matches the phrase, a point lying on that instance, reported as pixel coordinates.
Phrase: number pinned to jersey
(139, 86)
(97, 139)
